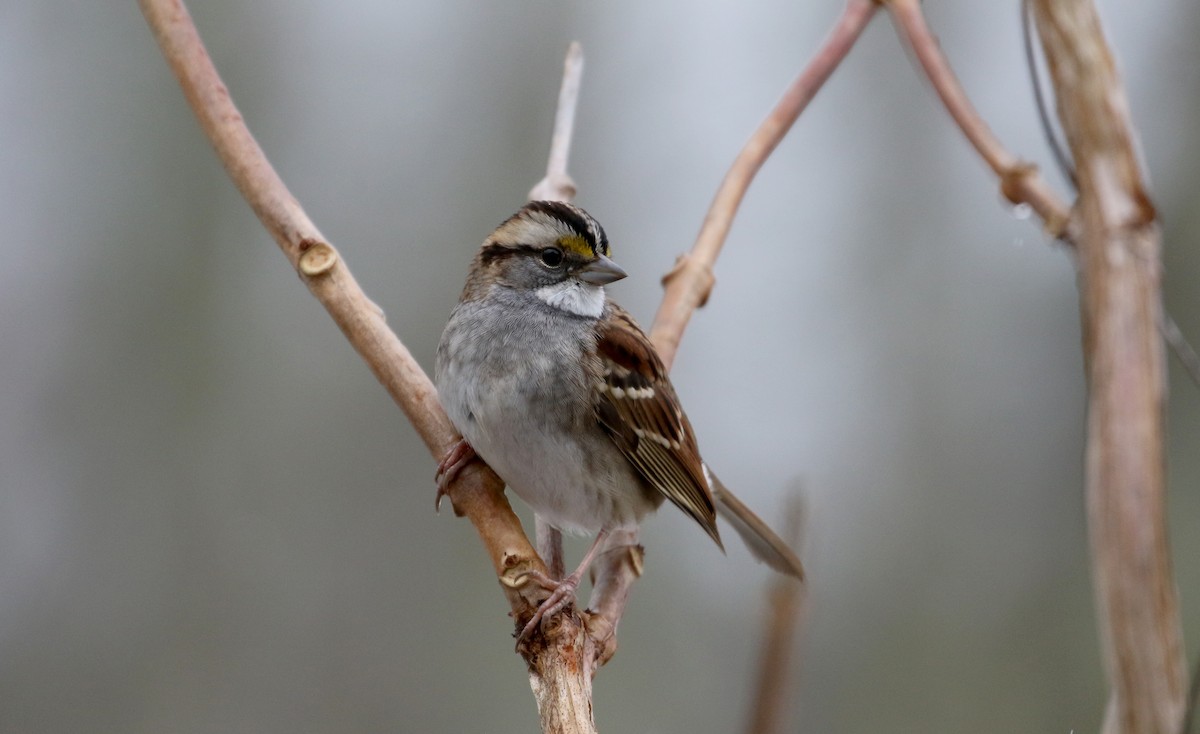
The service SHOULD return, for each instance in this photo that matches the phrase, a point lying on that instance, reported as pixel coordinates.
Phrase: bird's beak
(601, 271)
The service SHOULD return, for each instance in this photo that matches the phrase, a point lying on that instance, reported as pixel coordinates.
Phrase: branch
(689, 283)
(1117, 241)
(557, 185)
(786, 599)
(478, 493)
(559, 674)
(1120, 261)
(1020, 182)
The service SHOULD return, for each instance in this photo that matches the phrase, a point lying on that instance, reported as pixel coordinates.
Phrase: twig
(1119, 252)
(689, 283)
(550, 547)
(558, 661)
(557, 185)
(615, 571)
(786, 602)
(1020, 181)
(1182, 348)
(1065, 167)
(1193, 699)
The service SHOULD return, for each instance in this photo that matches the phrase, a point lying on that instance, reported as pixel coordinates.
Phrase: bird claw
(459, 455)
(562, 594)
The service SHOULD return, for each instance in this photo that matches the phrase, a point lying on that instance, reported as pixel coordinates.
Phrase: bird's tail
(760, 539)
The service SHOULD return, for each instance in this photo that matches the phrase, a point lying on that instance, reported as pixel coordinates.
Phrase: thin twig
(1120, 259)
(1065, 167)
(786, 600)
(550, 547)
(557, 185)
(689, 283)
(1193, 699)
(1182, 348)
(615, 570)
(1020, 181)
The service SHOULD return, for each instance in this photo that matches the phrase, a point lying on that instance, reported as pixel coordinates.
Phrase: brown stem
(689, 283)
(615, 571)
(1020, 181)
(1119, 253)
(558, 674)
(786, 599)
(557, 185)
(478, 493)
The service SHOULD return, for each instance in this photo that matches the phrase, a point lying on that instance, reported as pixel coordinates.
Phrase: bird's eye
(552, 256)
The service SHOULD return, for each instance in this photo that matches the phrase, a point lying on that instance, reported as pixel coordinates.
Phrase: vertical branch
(557, 184)
(1118, 247)
(786, 599)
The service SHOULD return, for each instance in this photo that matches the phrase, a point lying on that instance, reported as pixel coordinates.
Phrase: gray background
(212, 519)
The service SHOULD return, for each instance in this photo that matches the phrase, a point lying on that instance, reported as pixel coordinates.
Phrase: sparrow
(562, 394)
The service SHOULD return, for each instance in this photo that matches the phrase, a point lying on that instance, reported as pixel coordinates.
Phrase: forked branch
(1114, 232)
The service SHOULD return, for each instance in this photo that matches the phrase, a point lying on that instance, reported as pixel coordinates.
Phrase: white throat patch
(574, 297)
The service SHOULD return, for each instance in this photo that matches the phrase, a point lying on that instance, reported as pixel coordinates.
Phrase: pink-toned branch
(1116, 237)
(557, 184)
(478, 493)
(1020, 181)
(786, 599)
(688, 284)
(1119, 251)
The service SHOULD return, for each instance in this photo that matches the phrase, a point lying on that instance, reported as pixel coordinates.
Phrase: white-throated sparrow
(560, 392)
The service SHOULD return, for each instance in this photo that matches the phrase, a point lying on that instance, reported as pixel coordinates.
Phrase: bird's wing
(637, 406)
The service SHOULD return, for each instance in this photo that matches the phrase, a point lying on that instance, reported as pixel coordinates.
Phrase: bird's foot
(451, 464)
(562, 592)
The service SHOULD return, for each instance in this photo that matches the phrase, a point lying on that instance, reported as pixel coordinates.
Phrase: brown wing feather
(636, 404)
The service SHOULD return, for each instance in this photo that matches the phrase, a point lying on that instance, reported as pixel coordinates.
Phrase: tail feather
(763, 542)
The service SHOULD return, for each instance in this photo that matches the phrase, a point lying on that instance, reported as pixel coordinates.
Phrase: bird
(562, 394)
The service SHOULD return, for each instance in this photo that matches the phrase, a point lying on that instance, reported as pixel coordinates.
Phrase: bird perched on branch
(563, 395)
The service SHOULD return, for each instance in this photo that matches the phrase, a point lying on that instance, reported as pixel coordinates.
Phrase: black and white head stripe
(542, 224)
(576, 219)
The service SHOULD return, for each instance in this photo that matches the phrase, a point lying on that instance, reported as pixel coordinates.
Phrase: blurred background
(213, 519)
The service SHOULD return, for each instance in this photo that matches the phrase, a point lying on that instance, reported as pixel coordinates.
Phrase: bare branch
(1020, 181)
(689, 283)
(479, 492)
(786, 599)
(1181, 347)
(1119, 252)
(550, 547)
(560, 660)
(557, 185)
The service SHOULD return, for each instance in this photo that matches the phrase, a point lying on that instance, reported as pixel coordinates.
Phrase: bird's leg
(459, 455)
(562, 592)
(550, 547)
